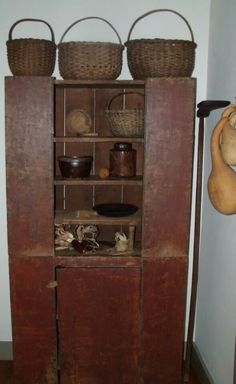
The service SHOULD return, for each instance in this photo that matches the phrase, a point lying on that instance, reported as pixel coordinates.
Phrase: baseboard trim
(6, 350)
(199, 367)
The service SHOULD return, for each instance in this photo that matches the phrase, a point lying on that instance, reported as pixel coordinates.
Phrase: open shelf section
(96, 180)
(77, 217)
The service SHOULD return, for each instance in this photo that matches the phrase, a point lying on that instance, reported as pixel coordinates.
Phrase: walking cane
(204, 109)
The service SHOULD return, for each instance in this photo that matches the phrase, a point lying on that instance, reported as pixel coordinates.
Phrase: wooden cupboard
(98, 318)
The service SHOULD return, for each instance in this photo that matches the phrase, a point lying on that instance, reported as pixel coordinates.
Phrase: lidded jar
(122, 160)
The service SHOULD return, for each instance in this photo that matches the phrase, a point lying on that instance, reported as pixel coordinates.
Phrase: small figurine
(63, 238)
(121, 242)
(82, 239)
(88, 233)
(124, 243)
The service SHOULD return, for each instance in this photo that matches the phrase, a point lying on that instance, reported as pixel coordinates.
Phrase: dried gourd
(222, 179)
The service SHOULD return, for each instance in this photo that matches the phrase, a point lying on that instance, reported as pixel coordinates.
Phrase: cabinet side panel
(34, 334)
(98, 311)
(29, 126)
(168, 166)
(164, 291)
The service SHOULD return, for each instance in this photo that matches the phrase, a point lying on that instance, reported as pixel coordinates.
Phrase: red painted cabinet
(100, 317)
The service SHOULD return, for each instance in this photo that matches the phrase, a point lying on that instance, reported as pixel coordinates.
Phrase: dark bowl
(75, 166)
(115, 209)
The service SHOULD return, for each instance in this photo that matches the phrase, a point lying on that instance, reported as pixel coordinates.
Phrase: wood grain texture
(168, 166)
(98, 312)
(162, 335)
(33, 305)
(6, 373)
(29, 127)
(121, 319)
(33, 321)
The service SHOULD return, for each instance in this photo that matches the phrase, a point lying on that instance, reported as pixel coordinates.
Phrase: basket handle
(37, 20)
(87, 18)
(160, 10)
(121, 94)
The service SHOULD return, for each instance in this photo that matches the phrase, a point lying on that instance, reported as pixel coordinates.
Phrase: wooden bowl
(78, 122)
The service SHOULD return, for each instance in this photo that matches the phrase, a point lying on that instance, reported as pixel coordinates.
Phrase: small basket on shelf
(90, 60)
(31, 57)
(125, 122)
(160, 57)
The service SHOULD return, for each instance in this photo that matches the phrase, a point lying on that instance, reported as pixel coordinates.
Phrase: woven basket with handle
(90, 60)
(160, 57)
(31, 57)
(125, 122)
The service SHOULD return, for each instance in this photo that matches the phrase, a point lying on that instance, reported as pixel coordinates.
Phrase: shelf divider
(96, 180)
(96, 139)
(77, 217)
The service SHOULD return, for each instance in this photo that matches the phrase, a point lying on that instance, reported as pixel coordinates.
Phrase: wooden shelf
(100, 83)
(96, 139)
(103, 251)
(74, 217)
(96, 180)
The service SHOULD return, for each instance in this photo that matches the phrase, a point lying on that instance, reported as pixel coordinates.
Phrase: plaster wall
(216, 309)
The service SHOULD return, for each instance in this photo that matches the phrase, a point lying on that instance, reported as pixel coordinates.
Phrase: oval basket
(31, 57)
(160, 57)
(125, 122)
(90, 60)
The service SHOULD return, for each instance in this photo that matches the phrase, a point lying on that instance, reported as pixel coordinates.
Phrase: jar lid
(123, 146)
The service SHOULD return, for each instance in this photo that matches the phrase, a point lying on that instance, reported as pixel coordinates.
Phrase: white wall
(216, 311)
(60, 14)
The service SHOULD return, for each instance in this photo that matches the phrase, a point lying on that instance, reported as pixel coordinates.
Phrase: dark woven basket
(31, 57)
(160, 57)
(125, 122)
(90, 60)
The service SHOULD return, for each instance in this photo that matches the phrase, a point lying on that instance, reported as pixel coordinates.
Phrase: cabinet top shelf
(100, 83)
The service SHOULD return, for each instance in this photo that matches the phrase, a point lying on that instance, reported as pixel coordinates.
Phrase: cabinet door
(98, 325)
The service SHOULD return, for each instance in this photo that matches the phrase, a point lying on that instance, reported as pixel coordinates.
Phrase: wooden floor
(6, 376)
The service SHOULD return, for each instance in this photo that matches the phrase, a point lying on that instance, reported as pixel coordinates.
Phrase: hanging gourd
(222, 179)
(228, 141)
